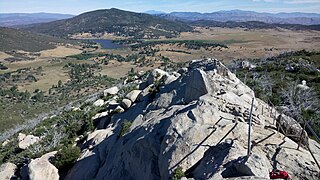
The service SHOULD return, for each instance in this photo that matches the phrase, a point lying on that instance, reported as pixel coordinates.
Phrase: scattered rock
(6, 142)
(76, 109)
(99, 103)
(119, 109)
(21, 136)
(7, 171)
(111, 91)
(26, 141)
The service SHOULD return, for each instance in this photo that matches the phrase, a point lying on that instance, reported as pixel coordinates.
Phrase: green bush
(125, 127)
(178, 174)
(66, 156)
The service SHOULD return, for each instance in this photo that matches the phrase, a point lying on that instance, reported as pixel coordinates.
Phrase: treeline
(189, 44)
(83, 78)
(252, 25)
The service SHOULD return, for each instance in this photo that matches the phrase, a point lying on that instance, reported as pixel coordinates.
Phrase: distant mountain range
(18, 19)
(154, 12)
(119, 22)
(244, 16)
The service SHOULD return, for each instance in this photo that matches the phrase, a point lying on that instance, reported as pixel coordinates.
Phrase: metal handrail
(313, 132)
(306, 124)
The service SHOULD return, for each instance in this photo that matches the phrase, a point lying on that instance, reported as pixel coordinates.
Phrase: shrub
(125, 127)
(178, 174)
(66, 156)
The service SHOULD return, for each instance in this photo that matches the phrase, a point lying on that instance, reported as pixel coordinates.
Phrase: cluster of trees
(20, 76)
(14, 93)
(189, 44)
(82, 80)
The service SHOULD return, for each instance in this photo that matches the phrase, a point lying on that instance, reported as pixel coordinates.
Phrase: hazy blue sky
(79, 6)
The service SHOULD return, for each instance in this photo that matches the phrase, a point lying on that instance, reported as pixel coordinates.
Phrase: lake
(107, 43)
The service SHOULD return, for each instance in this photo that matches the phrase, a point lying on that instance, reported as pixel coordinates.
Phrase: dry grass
(120, 69)
(3, 56)
(242, 44)
(60, 51)
(249, 43)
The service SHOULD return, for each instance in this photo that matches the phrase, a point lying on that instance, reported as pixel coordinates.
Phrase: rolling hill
(119, 22)
(18, 19)
(13, 39)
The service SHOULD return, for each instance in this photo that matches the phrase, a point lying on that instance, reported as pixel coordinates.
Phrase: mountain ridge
(243, 16)
(119, 22)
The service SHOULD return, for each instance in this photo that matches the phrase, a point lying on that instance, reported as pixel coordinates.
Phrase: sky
(79, 6)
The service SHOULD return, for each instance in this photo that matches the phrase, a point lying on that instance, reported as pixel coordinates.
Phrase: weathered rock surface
(126, 103)
(133, 95)
(198, 123)
(289, 126)
(111, 91)
(41, 168)
(100, 115)
(26, 140)
(96, 138)
(7, 171)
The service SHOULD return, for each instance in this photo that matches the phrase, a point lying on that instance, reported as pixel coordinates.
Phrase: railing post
(302, 132)
(278, 128)
(249, 129)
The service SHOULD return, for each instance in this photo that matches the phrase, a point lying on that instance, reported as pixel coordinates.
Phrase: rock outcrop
(7, 171)
(41, 168)
(197, 123)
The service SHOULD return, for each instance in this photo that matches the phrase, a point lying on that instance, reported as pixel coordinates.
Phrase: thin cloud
(302, 1)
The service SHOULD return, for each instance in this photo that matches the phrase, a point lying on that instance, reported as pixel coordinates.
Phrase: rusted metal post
(249, 129)
(302, 132)
(278, 123)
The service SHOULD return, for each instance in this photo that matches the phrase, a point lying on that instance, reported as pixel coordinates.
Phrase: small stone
(111, 91)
